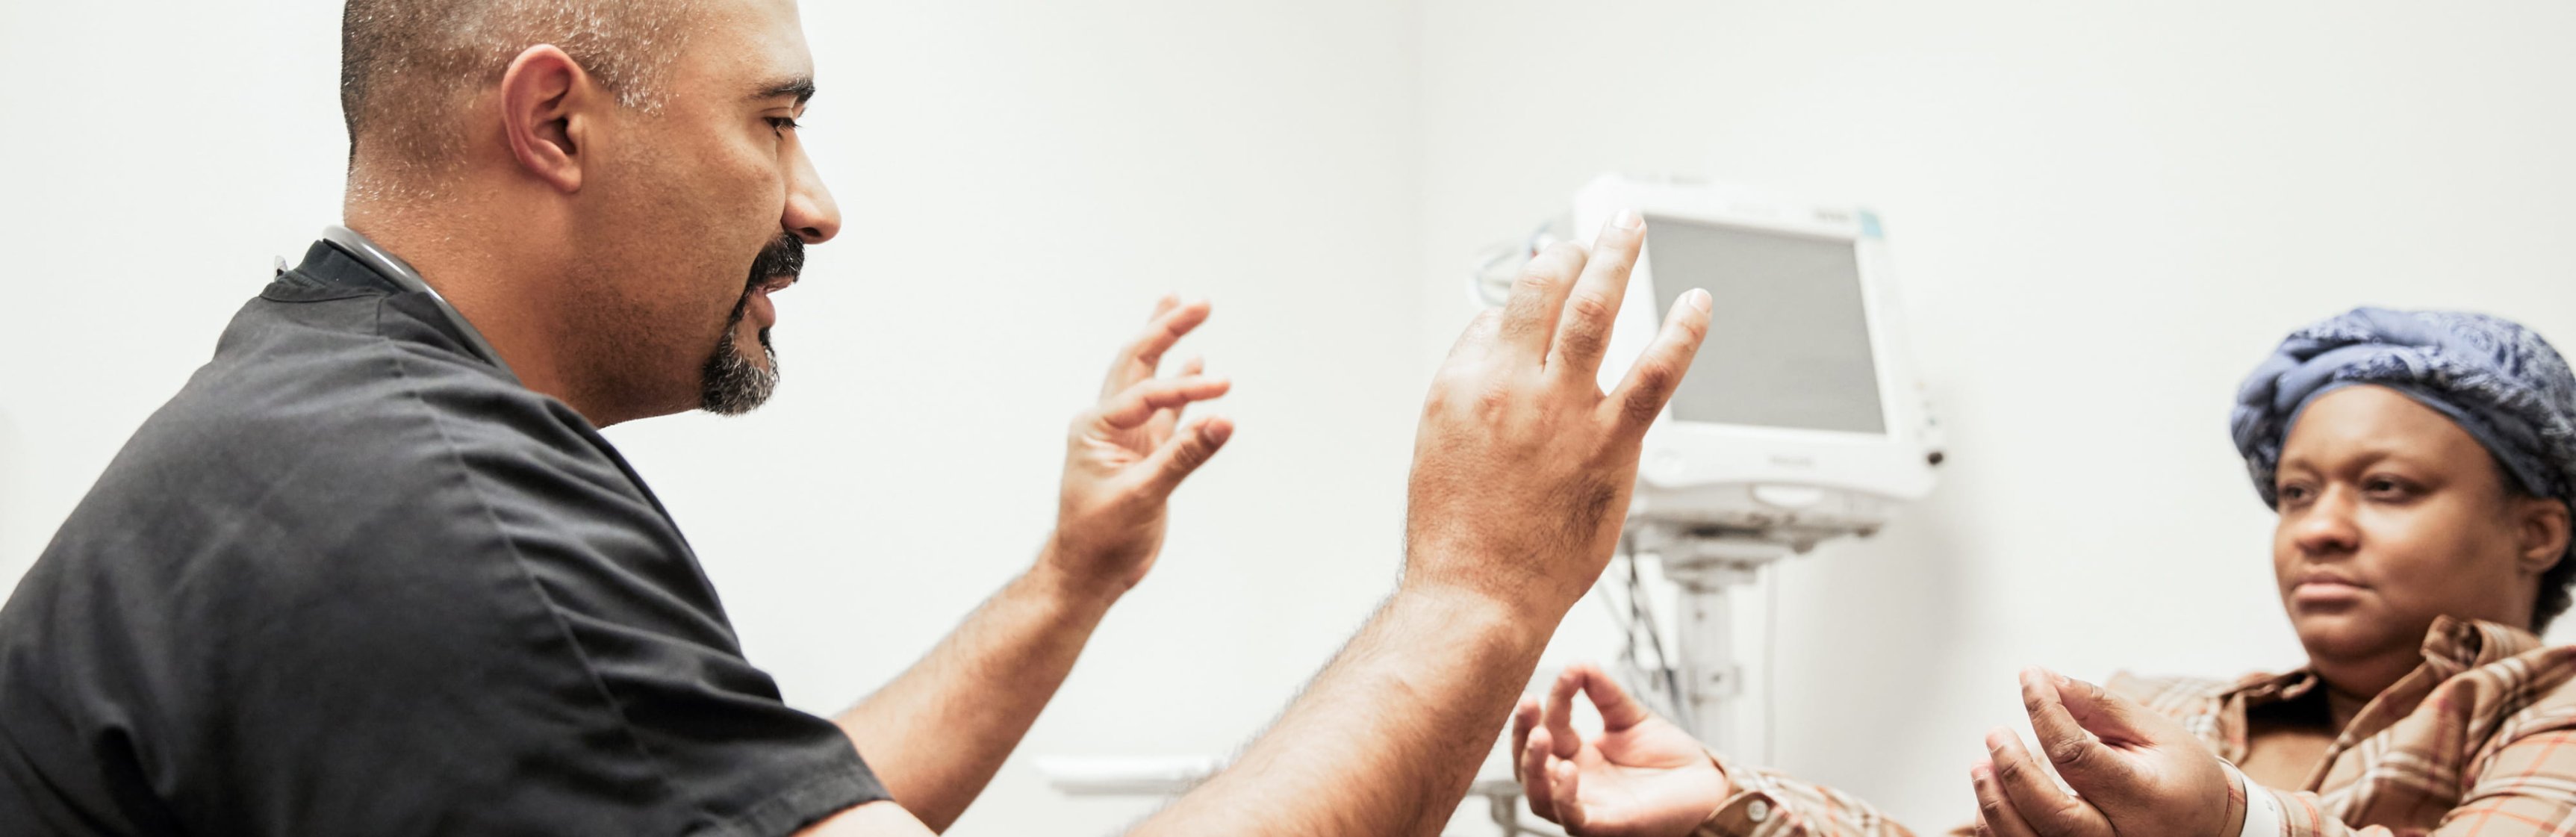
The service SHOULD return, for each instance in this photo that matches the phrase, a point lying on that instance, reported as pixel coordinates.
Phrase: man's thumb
(1186, 451)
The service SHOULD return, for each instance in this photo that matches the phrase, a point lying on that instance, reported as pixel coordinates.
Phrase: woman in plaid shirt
(2422, 464)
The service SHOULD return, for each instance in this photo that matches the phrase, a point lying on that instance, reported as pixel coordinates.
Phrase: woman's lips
(2326, 593)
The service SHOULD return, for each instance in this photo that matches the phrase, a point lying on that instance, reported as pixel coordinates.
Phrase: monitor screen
(1788, 343)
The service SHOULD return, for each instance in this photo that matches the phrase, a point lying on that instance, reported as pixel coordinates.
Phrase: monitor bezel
(1690, 453)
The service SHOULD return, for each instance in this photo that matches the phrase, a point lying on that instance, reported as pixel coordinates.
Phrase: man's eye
(782, 123)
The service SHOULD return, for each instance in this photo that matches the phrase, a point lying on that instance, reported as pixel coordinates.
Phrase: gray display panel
(1788, 343)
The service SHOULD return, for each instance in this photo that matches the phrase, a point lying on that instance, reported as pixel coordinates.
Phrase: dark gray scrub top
(356, 580)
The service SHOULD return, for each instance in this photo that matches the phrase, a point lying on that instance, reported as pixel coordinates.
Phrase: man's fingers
(1560, 714)
(1996, 816)
(1530, 315)
(1659, 370)
(1592, 306)
(2048, 809)
(2080, 757)
(1160, 426)
(1477, 339)
(1138, 360)
(1618, 710)
(1132, 406)
(1185, 452)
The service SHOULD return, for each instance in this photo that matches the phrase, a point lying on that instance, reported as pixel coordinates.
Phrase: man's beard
(731, 384)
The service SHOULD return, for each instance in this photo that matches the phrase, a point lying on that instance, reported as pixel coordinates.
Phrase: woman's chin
(2352, 634)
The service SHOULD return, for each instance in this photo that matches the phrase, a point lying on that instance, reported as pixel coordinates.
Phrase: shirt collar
(2452, 646)
(2463, 644)
(401, 273)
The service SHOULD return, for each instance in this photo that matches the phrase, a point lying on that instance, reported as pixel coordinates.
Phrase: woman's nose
(2326, 526)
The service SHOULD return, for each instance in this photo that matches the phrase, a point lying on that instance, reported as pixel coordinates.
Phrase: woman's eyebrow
(2364, 459)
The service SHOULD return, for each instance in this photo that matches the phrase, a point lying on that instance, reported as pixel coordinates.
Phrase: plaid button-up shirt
(2479, 740)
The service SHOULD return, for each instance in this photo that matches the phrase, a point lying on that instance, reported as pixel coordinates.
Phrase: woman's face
(2391, 515)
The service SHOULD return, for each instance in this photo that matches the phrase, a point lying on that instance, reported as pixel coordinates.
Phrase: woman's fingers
(1619, 710)
(2049, 810)
(1535, 780)
(1569, 798)
(1524, 718)
(2073, 747)
(1560, 712)
(1996, 816)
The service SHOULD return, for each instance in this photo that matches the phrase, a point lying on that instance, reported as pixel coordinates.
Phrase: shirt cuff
(1749, 811)
(2276, 806)
(2265, 813)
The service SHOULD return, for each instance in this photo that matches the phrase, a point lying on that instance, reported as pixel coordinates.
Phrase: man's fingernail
(1699, 299)
(1628, 219)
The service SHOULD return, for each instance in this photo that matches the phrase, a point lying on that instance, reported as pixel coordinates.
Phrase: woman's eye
(2293, 493)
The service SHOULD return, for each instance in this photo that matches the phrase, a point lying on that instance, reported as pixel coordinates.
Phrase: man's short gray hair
(406, 65)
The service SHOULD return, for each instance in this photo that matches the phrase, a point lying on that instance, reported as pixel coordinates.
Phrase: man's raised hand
(1124, 456)
(1522, 466)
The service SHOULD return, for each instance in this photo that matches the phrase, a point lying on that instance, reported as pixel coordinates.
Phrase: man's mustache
(784, 257)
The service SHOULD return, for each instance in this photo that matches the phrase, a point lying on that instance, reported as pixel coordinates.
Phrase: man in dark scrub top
(373, 570)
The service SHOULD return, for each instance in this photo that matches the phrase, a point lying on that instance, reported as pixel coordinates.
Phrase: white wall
(2103, 215)
(2102, 218)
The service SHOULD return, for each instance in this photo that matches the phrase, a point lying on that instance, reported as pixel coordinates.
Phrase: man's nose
(811, 214)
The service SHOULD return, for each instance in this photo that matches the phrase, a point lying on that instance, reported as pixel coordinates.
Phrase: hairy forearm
(1388, 737)
(937, 734)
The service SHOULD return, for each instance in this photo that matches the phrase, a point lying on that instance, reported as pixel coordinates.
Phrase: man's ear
(547, 103)
(2543, 522)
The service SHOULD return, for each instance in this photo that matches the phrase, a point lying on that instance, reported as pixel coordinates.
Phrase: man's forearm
(936, 735)
(1388, 737)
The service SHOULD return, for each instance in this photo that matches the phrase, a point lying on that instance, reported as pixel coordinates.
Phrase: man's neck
(480, 282)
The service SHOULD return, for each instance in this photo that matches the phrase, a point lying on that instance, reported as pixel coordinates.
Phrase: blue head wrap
(2495, 378)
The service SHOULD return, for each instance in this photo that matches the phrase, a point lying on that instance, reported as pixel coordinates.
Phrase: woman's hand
(1642, 777)
(2135, 773)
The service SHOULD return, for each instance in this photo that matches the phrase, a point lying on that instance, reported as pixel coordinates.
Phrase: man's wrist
(1452, 562)
(1509, 619)
(1053, 578)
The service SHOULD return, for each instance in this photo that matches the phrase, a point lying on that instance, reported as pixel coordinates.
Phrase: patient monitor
(1801, 420)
